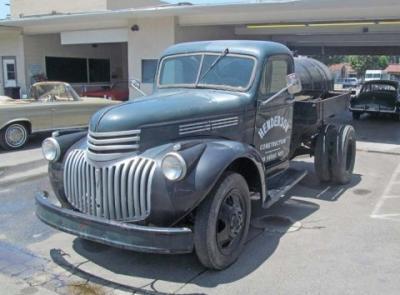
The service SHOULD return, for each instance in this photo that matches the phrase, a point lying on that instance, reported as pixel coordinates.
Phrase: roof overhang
(270, 12)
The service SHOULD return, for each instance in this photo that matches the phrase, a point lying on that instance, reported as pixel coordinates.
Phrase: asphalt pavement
(324, 240)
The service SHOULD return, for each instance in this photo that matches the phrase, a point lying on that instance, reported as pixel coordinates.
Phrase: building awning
(267, 12)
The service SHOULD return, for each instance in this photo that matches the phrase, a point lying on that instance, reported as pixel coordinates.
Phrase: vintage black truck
(176, 171)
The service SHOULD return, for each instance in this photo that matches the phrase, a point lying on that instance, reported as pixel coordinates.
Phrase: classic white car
(50, 106)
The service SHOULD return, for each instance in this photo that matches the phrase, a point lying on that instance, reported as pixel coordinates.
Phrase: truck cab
(173, 172)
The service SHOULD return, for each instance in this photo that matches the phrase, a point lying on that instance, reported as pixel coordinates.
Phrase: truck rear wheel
(344, 155)
(222, 222)
(322, 153)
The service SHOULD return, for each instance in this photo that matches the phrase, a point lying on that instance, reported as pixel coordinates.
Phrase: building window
(71, 70)
(149, 68)
(78, 70)
(99, 71)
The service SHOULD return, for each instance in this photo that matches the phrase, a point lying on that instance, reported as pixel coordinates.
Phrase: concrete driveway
(325, 240)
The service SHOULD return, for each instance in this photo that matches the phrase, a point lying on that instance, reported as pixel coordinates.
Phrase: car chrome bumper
(365, 110)
(113, 233)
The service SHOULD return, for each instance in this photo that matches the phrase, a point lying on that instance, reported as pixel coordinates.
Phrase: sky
(4, 10)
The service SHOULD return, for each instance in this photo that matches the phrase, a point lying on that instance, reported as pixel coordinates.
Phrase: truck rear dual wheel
(335, 152)
(344, 155)
(222, 222)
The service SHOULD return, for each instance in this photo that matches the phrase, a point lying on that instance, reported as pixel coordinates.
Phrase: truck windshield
(233, 71)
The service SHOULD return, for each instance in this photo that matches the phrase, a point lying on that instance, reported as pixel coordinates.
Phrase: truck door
(274, 119)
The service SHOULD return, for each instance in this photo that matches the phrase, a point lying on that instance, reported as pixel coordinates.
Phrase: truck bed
(312, 110)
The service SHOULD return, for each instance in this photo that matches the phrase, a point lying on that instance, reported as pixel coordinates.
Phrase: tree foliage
(361, 63)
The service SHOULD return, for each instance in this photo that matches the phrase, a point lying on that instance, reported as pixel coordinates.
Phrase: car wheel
(356, 115)
(14, 136)
(344, 155)
(222, 222)
(322, 152)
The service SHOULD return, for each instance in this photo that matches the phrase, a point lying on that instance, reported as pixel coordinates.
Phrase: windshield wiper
(219, 58)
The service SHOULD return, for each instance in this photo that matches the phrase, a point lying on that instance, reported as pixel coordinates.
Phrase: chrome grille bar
(118, 192)
(110, 145)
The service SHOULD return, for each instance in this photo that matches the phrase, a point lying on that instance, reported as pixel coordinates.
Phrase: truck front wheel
(222, 222)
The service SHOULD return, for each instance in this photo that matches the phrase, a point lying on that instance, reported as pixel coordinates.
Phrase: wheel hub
(15, 136)
(236, 222)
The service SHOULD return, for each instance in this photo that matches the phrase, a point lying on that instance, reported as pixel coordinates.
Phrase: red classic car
(116, 91)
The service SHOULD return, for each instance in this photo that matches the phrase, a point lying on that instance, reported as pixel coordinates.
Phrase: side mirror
(293, 84)
(135, 84)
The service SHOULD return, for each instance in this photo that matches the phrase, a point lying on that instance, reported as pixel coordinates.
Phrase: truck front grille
(109, 145)
(118, 192)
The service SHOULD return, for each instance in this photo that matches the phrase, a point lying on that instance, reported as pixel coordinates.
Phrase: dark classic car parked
(377, 97)
(175, 171)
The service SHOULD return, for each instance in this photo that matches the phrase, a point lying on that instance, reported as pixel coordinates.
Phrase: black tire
(344, 155)
(356, 115)
(323, 149)
(217, 243)
(14, 136)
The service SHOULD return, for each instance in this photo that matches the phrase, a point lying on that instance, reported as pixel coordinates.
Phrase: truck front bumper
(113, 233)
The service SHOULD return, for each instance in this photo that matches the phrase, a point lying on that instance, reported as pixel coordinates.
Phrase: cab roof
(258, 49)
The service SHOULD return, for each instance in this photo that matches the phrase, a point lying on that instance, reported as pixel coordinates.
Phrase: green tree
(361, 63)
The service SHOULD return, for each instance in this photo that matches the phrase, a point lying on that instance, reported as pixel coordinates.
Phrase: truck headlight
(174, 167)
(51, 149)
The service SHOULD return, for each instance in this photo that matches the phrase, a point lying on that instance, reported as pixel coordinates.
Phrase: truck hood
(168, 106)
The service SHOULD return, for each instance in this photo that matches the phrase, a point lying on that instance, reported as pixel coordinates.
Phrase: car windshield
(53, 91)
(232, 71)
(378, 87)
(374, 76)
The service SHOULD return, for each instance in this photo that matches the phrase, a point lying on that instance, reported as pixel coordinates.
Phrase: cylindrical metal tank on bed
(315, 77)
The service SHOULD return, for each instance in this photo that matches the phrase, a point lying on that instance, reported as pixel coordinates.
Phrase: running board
(280, 184)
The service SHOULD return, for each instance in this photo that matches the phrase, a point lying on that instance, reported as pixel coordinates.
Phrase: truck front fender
(207, 161)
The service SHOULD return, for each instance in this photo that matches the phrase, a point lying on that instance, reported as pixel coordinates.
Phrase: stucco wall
(201, 33)
(34, 7)
(149, 42)
(37, 47)
(11, 44)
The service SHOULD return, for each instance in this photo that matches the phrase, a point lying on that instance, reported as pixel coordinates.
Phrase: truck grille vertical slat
(117, 194)
(88, 188)
(143, 179)
(85, 193)
(137, 187)
(73, 175)
(93, 195)
(110, 183)
(130, 203)
(104, 200)
(124, 186)
(79, 181)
